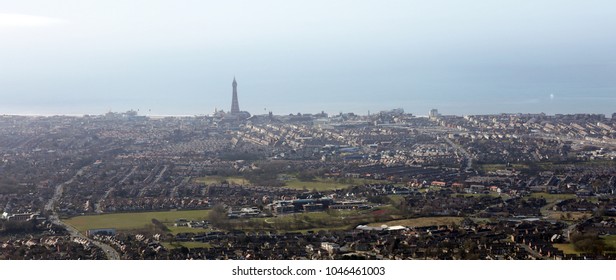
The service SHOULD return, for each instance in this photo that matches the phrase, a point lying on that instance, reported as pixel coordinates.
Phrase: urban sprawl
(388, 185)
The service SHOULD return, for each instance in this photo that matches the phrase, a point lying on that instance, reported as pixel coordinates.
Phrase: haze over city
(306, 135)
(179, 58)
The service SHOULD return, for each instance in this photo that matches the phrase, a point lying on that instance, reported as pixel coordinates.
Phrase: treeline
(590, 243)
(14, 227)
(159, 225)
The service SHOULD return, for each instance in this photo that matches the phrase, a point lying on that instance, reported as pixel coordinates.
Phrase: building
(19, 216)
(235, 113)
(235, 106)
(100, 231)
(434, 114)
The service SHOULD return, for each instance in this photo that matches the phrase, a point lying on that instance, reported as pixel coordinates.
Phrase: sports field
(128, 221)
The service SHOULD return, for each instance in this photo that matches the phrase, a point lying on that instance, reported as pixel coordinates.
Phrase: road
(110, 252)
(469, 158)
(528, 249)
(174, 191)
(99, 210)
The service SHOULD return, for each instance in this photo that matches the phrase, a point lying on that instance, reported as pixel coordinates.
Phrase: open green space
(216, 180)
(496, 167)
(321, 218)
(130, 221)
(396, 199)
(326, 184)
(568, 216)
(329, 220)
(491, 194)
(567, 248)
(188, 244)
(304, 231)
(547, 166)
(553, 197)
(175, 230)
(319, 183)
(422, 222)
(610, 240)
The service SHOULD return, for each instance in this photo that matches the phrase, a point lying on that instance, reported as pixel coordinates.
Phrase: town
(387, 185)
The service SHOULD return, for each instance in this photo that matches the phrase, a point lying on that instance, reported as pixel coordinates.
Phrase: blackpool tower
(235, 106)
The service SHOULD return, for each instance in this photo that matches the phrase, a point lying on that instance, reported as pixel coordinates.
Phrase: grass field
(320, 184)
(492, 194)
(422, 222)
(318, 217)
(218, 180)
(325, 184)
(495, 167)
(548, 165)
(302, 222)
(568, 216)
(128, 221)
(189, 245)
(610, 240)
(175, 230)
(304, 231)
(567, 248)
(396, 199)
(553, 197)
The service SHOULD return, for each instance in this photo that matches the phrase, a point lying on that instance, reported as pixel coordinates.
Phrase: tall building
(235, 106)
(434, 114)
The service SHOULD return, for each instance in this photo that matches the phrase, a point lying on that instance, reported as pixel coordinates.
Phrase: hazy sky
(179, 57)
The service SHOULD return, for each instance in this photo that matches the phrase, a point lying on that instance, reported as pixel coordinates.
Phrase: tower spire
(235, 106)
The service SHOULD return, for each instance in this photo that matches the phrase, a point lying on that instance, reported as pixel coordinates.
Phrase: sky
(164, 57)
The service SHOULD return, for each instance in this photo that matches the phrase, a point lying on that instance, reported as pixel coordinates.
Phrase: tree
(218, 215)
(589, 242)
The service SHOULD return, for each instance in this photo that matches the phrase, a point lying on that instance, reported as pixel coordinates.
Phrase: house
(330, 247)
(438, 184)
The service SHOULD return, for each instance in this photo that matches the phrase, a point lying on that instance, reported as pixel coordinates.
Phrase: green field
(326, 184)
(495, 167)
(567, 248)
(129, 221)
(567, 216)
(553, 197)
(175, 230)
(422, 222)
(610, 240)
(321, 218)
(188, 244)
(315, 221)
(396, 199)
(492, 194)
(216, 180)
(319, 183)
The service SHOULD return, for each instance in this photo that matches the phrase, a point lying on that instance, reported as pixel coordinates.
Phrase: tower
(235, 106)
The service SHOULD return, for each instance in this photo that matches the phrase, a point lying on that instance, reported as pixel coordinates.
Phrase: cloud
(20, 20)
